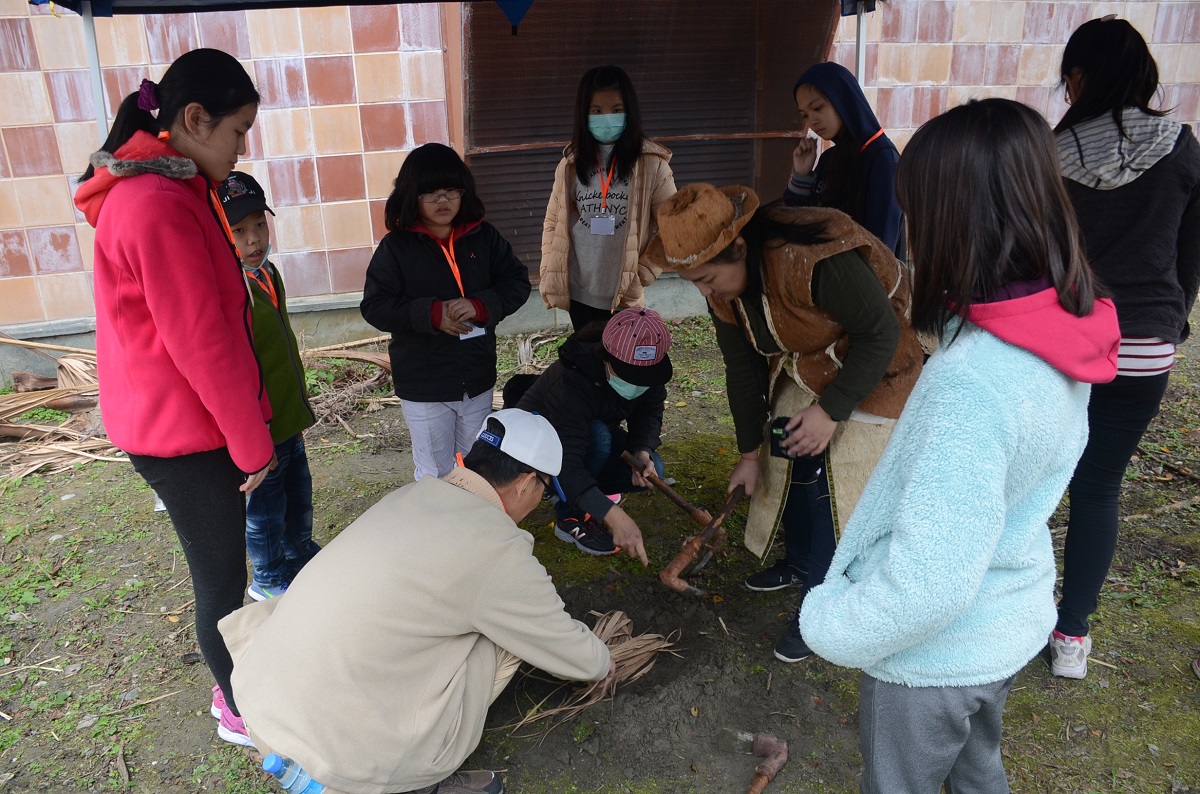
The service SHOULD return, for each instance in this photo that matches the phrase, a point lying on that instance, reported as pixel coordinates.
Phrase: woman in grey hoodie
(1133, 176)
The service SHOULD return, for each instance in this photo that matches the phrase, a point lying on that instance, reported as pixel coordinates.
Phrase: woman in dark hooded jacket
(857, 175)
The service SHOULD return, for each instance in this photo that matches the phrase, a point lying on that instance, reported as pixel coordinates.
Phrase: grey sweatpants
(914, 739)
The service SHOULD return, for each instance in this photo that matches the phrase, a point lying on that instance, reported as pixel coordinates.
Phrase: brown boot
(464, 782)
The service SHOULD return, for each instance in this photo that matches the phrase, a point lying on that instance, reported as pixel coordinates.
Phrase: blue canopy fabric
(514, 9)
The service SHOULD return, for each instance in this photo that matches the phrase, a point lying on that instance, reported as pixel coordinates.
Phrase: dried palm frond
(633, 657)
(24, 458)
(526, 348)
(381, 360)
(77, 369)
(13, 405)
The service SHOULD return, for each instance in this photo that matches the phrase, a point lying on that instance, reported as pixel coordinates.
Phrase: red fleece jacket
(177, 369)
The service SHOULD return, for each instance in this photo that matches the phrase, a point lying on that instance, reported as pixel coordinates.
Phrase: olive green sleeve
(745, 384)
(846, 287)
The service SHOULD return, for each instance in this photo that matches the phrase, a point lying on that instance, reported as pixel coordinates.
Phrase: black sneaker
(589, 535)
(777, 577)
(791, 647)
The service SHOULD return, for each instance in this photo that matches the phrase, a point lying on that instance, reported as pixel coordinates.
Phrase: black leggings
(1118, 415)
(209, 515)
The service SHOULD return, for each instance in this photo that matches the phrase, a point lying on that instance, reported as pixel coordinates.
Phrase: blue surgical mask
(606, 127)
(626, 390)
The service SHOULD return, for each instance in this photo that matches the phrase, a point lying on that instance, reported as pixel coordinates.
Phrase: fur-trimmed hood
(141, 154)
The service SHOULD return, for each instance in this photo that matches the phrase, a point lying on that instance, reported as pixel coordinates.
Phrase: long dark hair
(628, 147)
(764, 231)
(213, 78)
(1118, 72)
(426, 169)
(986, 206)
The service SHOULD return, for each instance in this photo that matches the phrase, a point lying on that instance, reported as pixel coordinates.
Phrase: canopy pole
(860, 48)
(93, 54)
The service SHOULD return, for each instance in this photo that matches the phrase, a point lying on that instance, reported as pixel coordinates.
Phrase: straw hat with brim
(698, 222)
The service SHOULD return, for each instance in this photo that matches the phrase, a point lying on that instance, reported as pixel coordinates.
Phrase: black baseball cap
(241, 195)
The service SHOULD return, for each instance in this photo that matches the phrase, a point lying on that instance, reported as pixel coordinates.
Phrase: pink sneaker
(218, 704)
(615, 498)
(233, 729)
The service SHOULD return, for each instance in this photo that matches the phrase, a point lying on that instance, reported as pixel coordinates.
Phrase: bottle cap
(272, 764)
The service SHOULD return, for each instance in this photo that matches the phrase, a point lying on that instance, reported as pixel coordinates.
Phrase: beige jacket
(650, 184)
(375, 671)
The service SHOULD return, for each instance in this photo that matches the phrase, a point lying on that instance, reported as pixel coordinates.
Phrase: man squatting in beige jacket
(375, 670)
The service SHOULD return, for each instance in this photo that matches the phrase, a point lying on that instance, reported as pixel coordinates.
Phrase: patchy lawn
(102, 689)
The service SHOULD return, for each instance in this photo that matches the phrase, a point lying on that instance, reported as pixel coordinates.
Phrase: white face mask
(251, 268)
(626, 390)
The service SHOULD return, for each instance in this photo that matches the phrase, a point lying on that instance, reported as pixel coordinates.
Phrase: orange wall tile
(45, 201)
(15, 260)
(380, 77)
(66, 296)
(274, 32)
(20, 302)
(381, 169)
(10, 210)
(298, 229)
(286, 132)
(121, 40)
(25, 99)
(347, 224)
(424, 75)
(336, 129)
(326, 30)
(60, 41)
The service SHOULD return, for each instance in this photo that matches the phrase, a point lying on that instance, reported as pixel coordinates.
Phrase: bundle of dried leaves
(634, 657)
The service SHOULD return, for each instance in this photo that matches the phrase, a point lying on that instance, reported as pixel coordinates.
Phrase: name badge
(476, 330)
(604, 224)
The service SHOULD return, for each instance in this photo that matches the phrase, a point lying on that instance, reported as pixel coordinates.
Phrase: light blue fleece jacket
(945, 573)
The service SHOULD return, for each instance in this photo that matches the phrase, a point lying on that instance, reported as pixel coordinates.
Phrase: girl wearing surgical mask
(600, 219)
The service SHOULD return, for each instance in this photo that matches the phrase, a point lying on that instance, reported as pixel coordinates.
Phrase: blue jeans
(279, 517)
(809, 539)
(602, 459)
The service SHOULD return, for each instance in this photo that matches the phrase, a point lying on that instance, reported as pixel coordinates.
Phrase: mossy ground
(94, 599)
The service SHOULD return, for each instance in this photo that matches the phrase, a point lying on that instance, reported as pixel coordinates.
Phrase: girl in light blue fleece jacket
(942, 587)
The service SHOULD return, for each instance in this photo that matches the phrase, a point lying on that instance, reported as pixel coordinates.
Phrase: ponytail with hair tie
(148, 96)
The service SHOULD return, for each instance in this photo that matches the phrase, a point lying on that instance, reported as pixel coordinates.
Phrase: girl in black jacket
(439, 283)
(1133, 176)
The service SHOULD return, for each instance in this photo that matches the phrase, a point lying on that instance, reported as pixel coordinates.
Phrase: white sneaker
(1069, 655)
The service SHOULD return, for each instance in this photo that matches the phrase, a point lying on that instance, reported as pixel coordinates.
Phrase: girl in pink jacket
(180, 388)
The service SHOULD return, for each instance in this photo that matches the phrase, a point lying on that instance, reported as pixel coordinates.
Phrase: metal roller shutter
(713, 71)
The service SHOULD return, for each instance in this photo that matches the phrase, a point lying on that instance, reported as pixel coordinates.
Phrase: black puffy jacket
(407, 274)
(573, 392)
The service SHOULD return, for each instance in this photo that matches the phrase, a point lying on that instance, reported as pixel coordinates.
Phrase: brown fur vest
(814, 344)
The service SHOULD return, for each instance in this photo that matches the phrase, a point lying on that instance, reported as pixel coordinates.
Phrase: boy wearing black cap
(279, 512)
(601, 379)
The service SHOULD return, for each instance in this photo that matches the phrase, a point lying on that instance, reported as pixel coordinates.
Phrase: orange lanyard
(604, 183)
(871, 140)
(216, 201)
(448, 251)
(267, 285)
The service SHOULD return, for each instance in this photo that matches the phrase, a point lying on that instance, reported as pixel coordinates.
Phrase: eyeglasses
(441, 196)
(547, 483)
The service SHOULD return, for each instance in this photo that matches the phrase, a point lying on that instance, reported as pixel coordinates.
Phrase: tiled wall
(925, 56)
(346, 93)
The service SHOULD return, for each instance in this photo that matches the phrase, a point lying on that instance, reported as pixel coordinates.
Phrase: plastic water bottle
(291, 776)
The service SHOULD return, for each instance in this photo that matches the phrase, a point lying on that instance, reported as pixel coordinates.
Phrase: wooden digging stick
(692, 546)
(698, 514)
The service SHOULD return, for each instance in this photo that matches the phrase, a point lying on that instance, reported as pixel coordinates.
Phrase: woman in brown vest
(811, 315)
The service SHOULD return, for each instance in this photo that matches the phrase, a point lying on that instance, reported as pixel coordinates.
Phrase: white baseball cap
(528, 438)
